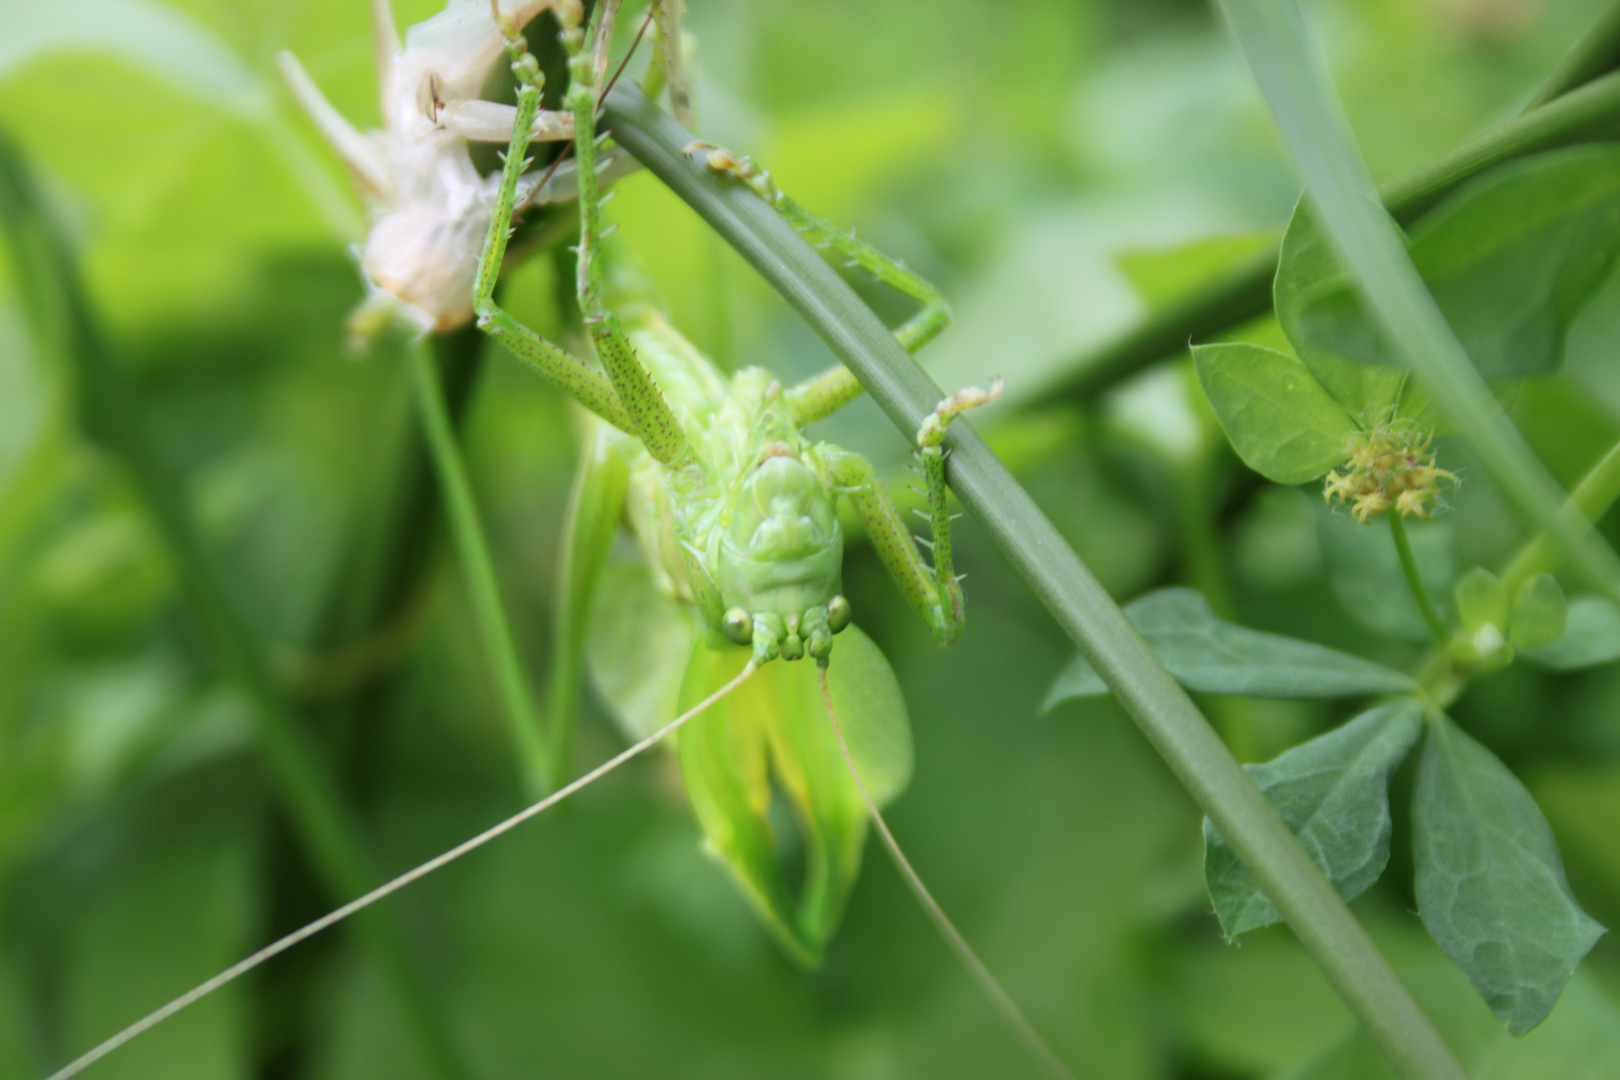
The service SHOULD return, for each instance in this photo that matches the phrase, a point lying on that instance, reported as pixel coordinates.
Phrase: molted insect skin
(432, 208)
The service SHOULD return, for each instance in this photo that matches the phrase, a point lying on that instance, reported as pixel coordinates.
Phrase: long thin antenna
(281, 945)
(1003, 1002)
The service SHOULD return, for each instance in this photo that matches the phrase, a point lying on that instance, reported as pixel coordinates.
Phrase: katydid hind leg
(652, 420)
(834, 388)
(587, 385)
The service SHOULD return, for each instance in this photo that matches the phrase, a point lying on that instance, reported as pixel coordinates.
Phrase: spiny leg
(854, 478)
(590, 387)
(654, 424)
(931, 455)
(830, 391)
(934, 592)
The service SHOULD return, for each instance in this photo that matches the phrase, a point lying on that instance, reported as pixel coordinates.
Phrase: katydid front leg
(836, 387)
(934, 592)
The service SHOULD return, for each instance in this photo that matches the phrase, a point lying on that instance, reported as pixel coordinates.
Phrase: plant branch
(1244, 291)
(1592, 498)
(478, 570)
(1414, 580)
(1596, 53)
(1160, 707)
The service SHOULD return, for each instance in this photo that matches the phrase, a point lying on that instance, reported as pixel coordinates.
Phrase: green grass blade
(1274, 38)
(478, 572)
(1079, 604)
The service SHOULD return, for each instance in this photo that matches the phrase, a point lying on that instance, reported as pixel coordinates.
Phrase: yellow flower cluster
(1391, 466)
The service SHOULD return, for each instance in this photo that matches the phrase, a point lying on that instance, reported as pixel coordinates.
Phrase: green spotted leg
(594, 508)
(831, 390)
(652, 420)
(934, 592)
(854, 478)
(587, 385)
(931, 455)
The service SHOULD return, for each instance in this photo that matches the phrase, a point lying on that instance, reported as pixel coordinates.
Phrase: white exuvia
(431, 206)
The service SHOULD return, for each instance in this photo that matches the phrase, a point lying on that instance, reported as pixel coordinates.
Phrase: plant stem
(108, 413)
(1154, 700)
(1414, 580)
(1592, 497)
(1344, 202)
(1244, 291)
(478, 570)
(1596, 53)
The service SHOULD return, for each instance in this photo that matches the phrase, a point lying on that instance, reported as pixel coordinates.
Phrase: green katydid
(735, 510)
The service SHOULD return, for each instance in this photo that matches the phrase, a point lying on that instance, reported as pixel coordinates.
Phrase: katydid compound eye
(837, 614)
(737, 626)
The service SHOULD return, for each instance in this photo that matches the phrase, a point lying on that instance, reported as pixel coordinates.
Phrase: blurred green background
(1043, 162)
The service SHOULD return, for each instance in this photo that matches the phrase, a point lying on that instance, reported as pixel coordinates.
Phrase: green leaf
(638, 641)
(1540, 613)
(1162, 274)
(1304, 267)
(1279, 419)
(1490, 884)
(1511, 258)
(1365, 570)
(775, 727)
(1333, 792)
(1591, 636)
(1205, 653)
(1481, 600)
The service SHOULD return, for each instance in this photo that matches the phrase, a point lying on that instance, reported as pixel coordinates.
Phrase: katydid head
(780, 561)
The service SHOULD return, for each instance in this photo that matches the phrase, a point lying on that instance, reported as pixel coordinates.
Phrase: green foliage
(1540, 614)
(1511, 259)
(1304, 266)
(1365, 571)
(1207, 653)
(1281, 421)
(1333, 792)
(1591, 636)
(1490, 884)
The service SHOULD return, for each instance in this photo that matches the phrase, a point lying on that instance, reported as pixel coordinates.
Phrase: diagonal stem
(478, 570)
(1414, 580)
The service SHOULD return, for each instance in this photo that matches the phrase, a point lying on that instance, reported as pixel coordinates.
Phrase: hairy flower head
(1389, 466)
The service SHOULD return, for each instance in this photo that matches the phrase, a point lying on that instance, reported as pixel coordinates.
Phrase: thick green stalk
(1079, 604)
(1244, 291)
(1272, 34)
(483, 588)
(66, 324)
(1596, 53)
(1414, 580)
